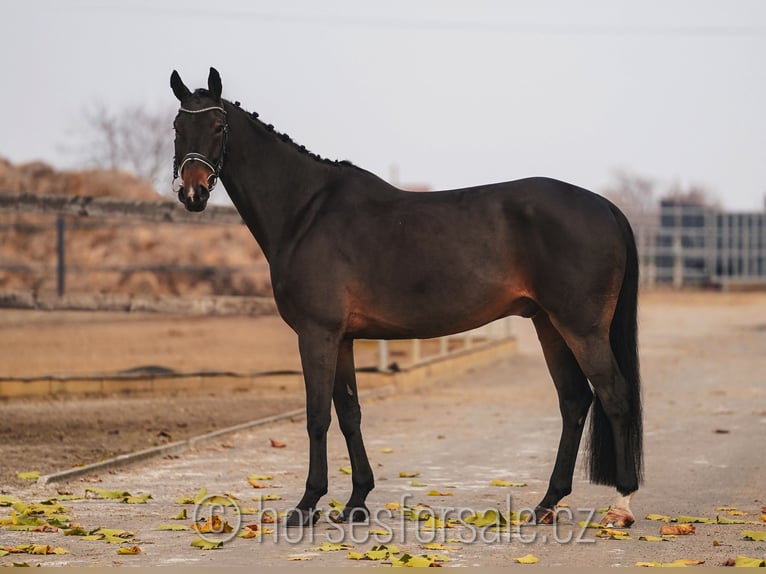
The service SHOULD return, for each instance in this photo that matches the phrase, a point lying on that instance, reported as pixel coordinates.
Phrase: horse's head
(200, 144)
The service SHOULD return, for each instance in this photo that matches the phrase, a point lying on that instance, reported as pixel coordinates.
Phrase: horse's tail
(623, 337)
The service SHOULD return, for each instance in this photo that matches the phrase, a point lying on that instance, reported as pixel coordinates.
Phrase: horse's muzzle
(196, 199)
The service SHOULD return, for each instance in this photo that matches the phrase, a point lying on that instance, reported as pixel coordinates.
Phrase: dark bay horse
(354, 257)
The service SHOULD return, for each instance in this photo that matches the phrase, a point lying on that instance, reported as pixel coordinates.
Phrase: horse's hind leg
(349, 413)
(574, 400)
(615, 426)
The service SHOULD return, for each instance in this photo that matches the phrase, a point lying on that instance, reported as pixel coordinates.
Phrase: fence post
(61, 256)
(383, 356)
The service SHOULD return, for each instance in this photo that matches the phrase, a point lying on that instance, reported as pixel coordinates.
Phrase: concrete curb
(188, 444)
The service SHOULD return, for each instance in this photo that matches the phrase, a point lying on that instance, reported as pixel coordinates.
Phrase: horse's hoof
(356, 515)
(300, 517)
(544, 515)
(618, 518)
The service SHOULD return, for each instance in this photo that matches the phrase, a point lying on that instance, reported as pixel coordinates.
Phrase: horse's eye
(218, 128)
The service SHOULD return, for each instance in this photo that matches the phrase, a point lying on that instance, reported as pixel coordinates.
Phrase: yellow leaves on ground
(332, 547)
(123, 550)
(527, 559)
(424, 560)
(203, 544)
(253, 531)
(196, 499)
(345, 469)
(755, 535)
(393, 506)
(119, 495)
(697, 519)
(664, 538)
(439, 493)
(746, 562)
(408, 474)
(487, 518)
(380, 552)
(497, 482)
(172, 527)
(680, 562)
(439, 546)
(202, 497)
(180, 516)
(677, 529)
(660, 517)
(109, 535)
(266, 497)
(29, 475)
(387, 450)
(417, 483)
(34, 549)
(215, 524)
(6, 500)
(584, 524)
(260, 477)
(612, 534)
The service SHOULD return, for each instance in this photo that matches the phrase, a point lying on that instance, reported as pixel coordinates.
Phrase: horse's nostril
(202, 192)
(182, 195)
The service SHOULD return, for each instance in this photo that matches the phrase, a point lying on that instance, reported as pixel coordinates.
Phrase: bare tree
(134, 139)
(633, 194)
(692, 195)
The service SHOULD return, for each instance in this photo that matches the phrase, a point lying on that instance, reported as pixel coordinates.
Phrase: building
(701, 245)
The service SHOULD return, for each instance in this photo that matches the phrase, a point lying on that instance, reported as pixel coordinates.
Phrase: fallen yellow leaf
(699, 519)
(497, 482)
(260, 477)
(332, 547)
(29, 475)
(203, 544)
(755, 535)
(129, 550)
(749, 562)
(527, 559)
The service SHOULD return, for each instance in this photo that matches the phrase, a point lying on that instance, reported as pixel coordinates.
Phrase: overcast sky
(454, 93)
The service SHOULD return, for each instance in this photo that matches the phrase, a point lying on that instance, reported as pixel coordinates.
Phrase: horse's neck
(269, 181)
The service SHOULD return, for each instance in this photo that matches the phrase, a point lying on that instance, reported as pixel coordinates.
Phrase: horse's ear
(214, 83)
(179, 89)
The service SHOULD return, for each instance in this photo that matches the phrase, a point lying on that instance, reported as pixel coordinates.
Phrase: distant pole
(60, 251)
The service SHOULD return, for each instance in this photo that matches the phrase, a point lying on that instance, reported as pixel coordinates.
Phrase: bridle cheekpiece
(215, 170)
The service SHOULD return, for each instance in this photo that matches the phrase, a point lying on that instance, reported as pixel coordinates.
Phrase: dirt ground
(705, 419)
(56, 433)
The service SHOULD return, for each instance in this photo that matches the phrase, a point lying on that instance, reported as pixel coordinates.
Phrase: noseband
(215, 170)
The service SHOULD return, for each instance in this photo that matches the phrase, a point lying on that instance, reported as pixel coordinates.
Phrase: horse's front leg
(319, 355)
(346, 399)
